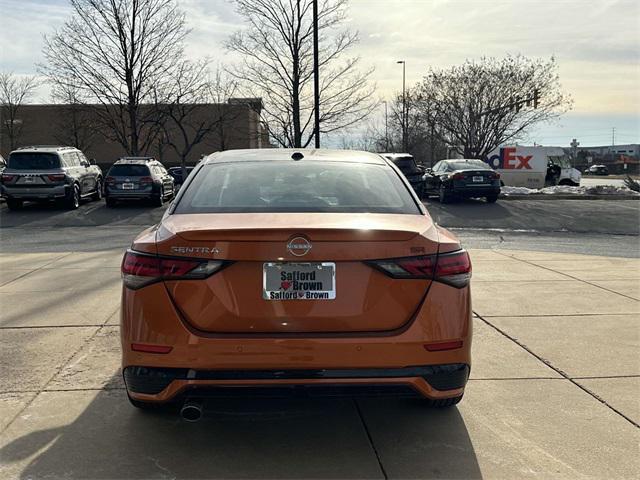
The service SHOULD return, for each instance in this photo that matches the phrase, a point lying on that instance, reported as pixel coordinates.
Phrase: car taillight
(458, 176)
(451, 268)
(7, 178)
(56, 177)
(140, 269)
(110, 180)
(146, 180)
(494, 175)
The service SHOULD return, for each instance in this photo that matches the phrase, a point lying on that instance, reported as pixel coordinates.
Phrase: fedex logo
(508, 160)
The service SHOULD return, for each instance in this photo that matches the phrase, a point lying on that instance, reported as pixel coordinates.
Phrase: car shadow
(468, 209)
(242, 438)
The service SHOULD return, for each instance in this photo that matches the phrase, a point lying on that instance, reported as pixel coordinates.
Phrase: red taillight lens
(458, 176)
(146, 180)
(494, 175)
(139, 269)
(7, 178)
(451, 268)
(110, 180)
(56, 177)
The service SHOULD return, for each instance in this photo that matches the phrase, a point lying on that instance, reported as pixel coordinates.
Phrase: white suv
(43, 173)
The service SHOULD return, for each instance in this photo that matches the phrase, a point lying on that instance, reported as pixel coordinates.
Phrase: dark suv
(138, 178)
(408, 166)
(43, 173)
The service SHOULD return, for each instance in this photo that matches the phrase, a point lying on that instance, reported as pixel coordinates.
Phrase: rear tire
(444, 402)
(72, 202)
(159, 200)
(492, 198)
(97, 195)
(443, 196)
(13, 204)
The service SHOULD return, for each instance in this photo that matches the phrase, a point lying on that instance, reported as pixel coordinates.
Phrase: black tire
(97, 195)
(159, 200)
(13, 204)
(111, 203)
(443, 196)
(492, 198)
(72, 202)
(444, 402)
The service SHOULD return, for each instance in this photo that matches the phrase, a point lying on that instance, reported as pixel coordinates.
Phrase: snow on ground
(569, 190)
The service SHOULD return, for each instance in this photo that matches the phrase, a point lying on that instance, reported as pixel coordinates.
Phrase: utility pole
(613, 136)
(316, 76)
(386, 127)
(404, 106)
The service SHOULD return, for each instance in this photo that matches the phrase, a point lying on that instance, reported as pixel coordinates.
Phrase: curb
(543, 196)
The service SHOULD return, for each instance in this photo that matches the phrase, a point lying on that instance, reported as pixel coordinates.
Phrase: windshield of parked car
(296, 187)
(129, 171)
(33, 161)
(451, 166)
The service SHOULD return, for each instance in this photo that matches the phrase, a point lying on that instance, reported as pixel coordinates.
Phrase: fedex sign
(508, 160)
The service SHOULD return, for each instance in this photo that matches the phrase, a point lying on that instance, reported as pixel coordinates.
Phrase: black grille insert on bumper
(153, 380)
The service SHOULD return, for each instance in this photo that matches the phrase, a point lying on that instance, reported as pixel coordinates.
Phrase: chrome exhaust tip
(191, 411)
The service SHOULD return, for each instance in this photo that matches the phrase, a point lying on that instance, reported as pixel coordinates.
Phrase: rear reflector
(142, 347)
(438, 347)
(140, 269)
(451, 268)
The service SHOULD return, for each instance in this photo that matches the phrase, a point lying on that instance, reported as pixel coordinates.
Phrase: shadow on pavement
(241, 438)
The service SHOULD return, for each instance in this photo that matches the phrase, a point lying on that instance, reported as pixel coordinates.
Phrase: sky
(596, 44)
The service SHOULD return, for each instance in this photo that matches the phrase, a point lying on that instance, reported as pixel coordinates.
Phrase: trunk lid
(232, 300)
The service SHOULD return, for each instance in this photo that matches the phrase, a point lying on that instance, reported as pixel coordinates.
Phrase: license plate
(31, 180)
(478, 179)
(128, 186)
(299, 281)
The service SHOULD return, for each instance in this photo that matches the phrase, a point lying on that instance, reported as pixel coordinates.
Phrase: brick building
(237, 125)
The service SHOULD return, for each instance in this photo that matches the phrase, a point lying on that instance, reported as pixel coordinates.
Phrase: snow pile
(569, 190)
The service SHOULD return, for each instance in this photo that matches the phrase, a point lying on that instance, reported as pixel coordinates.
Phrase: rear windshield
(33, 161)
(296, 187)
(129, 171)
(467, 165)
(406, 164)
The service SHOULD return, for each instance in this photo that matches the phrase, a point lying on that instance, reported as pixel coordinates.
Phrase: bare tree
(477, 106)
(119, 53)
(277, 53)
(184, 122)
(77, 124)
(14, 93)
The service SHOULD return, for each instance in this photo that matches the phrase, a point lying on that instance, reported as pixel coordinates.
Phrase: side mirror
(84, 163)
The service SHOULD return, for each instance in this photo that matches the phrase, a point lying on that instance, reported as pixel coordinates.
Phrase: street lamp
(404, 107)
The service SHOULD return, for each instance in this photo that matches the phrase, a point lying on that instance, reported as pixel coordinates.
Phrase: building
(619, 159)
(235, 124)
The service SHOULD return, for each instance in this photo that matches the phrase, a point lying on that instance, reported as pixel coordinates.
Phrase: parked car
(410, 169)
(138, 178)
(3, 164)
(462, 178)
(176, 173)
(45, 173)
(597, 170)
(288, 270)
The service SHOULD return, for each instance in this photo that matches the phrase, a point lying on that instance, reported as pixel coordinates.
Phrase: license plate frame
(323, 273)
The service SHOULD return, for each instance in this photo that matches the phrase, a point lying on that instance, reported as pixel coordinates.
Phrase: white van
(533, 167)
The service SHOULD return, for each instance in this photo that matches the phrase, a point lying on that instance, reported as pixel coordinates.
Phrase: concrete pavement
(553, 390)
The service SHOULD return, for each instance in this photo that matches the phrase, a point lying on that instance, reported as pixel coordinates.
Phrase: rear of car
(137, 179)
(468, 179)
(278, 271)
(36, 175)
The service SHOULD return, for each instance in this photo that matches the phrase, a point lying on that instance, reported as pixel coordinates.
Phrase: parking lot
(553, 390)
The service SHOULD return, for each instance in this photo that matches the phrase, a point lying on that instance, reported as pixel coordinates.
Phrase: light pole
(316, 77)
(404, 106)
(386, 127)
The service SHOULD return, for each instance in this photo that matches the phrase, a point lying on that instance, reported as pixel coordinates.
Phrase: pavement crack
(559, 371)
(370, 438)
(36, 269)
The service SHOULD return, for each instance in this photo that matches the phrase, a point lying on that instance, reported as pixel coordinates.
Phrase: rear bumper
(38, 193)
(133, 195)
(430, 381)
(476, 191)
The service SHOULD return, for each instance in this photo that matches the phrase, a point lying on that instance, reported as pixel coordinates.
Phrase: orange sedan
(278, 271)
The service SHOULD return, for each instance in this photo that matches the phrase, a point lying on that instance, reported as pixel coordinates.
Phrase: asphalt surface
(603, 227)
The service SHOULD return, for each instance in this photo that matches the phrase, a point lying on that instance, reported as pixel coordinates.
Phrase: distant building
(239, 126)
(615, 157)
